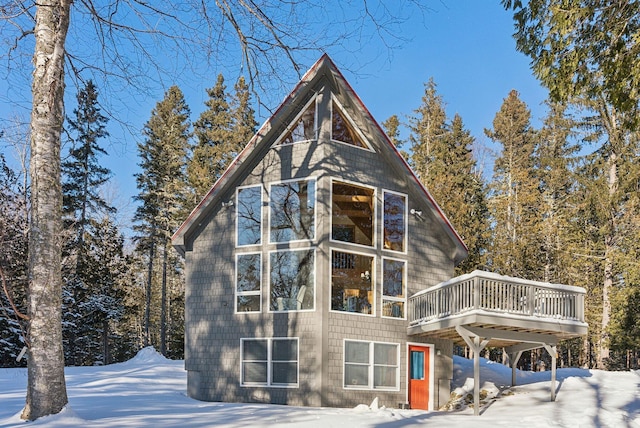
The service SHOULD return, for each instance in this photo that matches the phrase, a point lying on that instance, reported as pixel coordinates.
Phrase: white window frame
(393, 298)
(372, 275)
(371, 365)
(405, 241)
(368, 147)
(374, 228)
(289, 127)
(269, 362)
(248, 293)
(315, 209)
(315, 255)
(261, 214)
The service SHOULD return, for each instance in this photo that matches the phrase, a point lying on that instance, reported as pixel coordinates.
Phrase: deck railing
(494, 293)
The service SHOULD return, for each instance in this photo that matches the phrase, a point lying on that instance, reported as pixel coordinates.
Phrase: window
(292, 280)
(393, 288)
(395, 222)
(248, 282)
(292, 210)
(249, 215)
(352, 213)
(269, 362)
(352, 283)
(371, 365)
(342, 129)
(304, 127)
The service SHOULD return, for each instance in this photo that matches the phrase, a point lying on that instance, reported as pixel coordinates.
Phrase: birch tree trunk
(46, 389)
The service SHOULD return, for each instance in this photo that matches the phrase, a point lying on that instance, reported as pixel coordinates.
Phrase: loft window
(393, 288)
(342, 129)
(292, 280)
(394, 222)
(248, 282)
(292, 210)
(371, 365)
(352, 213)
(352, 280)
(304, 126)
(249, 215)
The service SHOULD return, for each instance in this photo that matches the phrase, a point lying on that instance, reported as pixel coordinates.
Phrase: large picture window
(371, 365)
(292, 210)
(352, 213)
(394, 222)
(269, 362)
(352, 279)
(248, 282)
(249, 215)
(393, 288)
(292, 280)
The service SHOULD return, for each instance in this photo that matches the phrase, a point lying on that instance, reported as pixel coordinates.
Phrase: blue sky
(465, 45)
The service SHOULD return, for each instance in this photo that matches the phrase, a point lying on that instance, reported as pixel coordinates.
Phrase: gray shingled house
(301, 260)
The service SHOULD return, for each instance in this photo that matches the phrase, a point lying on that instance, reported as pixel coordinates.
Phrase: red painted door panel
(419, 377)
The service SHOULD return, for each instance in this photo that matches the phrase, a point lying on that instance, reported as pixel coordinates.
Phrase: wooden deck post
(553, 352)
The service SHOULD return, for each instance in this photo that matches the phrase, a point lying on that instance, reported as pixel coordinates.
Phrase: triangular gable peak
(296, 120)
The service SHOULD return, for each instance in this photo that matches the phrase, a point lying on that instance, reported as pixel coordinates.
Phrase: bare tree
(132, 44)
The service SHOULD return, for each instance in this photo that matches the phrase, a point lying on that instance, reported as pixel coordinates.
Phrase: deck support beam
(476, 345)
(477, 339)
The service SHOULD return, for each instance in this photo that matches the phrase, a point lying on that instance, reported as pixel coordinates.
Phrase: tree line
(542, 214)
(118, 298)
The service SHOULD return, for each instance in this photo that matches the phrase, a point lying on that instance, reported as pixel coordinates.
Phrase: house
(301, 260)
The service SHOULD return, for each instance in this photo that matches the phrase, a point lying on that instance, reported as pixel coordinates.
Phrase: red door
(419, 377)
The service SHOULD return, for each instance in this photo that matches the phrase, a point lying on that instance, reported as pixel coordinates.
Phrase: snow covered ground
(149, 390)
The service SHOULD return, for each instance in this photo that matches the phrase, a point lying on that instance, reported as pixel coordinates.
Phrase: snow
(150, 390)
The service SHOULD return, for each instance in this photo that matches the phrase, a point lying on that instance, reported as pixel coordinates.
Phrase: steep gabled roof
(324, 67)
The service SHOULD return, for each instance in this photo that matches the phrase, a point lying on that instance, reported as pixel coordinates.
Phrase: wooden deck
(504, 310)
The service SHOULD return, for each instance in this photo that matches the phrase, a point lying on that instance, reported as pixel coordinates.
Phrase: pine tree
(427, 128)
(391, 127)
(83, 177)
(214, 147)
(462, 194)
(243, 119)
(554, 156)
(163, 192)
(13, 267)
(442, 157)
(514, 196)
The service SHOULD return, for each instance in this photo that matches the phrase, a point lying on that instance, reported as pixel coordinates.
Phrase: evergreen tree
(243, 118)
(461, 193)
(163, 192)
(391, 127)
(514, 195)
(442, 157)
(13, 267)
(554, 155)
(82, 204)
(427, 128)
(214, 146)
(586, 53)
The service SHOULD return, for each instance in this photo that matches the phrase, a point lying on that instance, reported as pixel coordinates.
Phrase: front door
(419, 377)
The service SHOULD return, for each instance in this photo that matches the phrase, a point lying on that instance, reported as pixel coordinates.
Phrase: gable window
(304, 126)
(292, 211)
(342, 129)
(393, 288)
(394, 222)
(249, 215)
(352, 213)
(248, 282)
(292, 280)
(352, 282)
(269, 362)
(371, 365)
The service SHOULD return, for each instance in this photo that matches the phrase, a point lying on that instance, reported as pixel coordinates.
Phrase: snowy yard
(149, 390)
